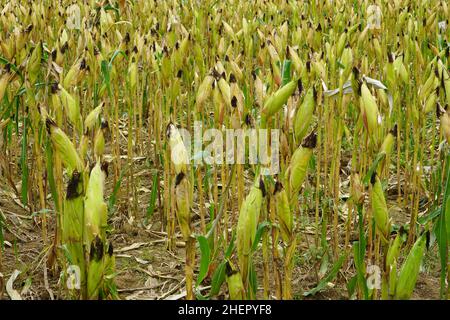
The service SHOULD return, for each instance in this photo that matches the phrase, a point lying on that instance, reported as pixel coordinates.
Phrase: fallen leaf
(13, 294)
(132, 247)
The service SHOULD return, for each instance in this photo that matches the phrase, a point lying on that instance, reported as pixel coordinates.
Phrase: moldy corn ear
(304, 115)
(99, 139)
(356, 81)
(379, 208)
(109, 267)
(56, 101)
(183, 204)
(73, 222)
(179, 154)
(73, 75)
(279, 98)
(95, 269)
(285, 217)
(296, 172)
(64, 147)
(410, 270)
(247, 225)
(234, 282)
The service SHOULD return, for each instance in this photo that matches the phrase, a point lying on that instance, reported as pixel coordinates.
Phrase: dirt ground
(146, 269)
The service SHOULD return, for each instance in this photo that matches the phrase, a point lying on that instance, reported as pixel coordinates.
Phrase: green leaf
(114, 56)
(105, 70)
(113, 197)
(286, 72)
(359, 263)
(5, 61)
(259, 232)
(253, 281)
(154, 192)
(323, 283)
(440, 229)
(23, 162)
(423, 220)
(204, 259)
(199, 296)
(351, 285)
(373, 167)
(217, 279)
(231, 246)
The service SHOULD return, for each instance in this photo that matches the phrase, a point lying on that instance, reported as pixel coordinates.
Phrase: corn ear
(179, 153)
(95, 269)
(296, 172)
(72, 108)
(379, 208)
(109, 266)
(95, 207)
(234, 282)
(392, 277)
(445, 126)
(388, 142)
(183, 204)
(34, 63)
(83, 147)
(410, 269)
(400, 69)
(225, 90)
(357, 189)
(247, 225)
(284, 213)
(73, 222)
(369, 109)
(132, 76)
(204, 90)
(430, 103)
(99, 140)
(4, 81)
(394, 251)
(304, 115)
(387, 147)
(92, 118)
(279, 98)
(64, 147)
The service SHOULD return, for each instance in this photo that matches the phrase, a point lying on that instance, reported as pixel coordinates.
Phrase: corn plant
(92, 96)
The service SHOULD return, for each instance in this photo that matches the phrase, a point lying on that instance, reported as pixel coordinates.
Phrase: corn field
(101, 196)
